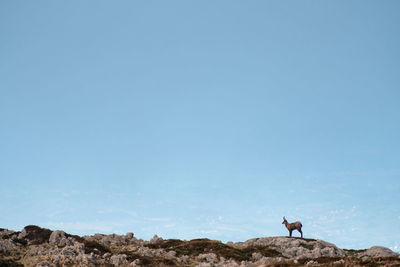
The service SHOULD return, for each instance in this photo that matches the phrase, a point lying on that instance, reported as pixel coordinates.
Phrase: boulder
(118, 259)
(155, 239)
(377, 251)
(59, 238)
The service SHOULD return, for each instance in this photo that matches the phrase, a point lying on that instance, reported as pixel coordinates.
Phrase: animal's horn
(284, 218)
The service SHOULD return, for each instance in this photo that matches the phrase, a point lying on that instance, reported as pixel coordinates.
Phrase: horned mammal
(292, 226)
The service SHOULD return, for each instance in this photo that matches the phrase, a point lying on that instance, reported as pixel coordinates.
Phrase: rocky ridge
(36, 246)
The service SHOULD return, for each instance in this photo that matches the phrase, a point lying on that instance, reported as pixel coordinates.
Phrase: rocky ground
(36, 246)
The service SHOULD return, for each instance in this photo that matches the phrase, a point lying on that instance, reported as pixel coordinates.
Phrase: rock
(59, 238)
(69, 252)
(256, 256)
(341, 261)
(208, 257)
(184, 258)
(130, 238)
(112, 239)
(5, 233)
(230, 264)
(310, 263)
(135, 263)
(7, 245)
(246, 264)
(377, 251)
(295, 248)
(38, 251)
(118, 259)
(147, 252)
(265, 260)
(156, 239)
(170, 254)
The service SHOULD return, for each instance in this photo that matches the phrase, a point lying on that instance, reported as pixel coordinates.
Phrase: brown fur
(293, 226)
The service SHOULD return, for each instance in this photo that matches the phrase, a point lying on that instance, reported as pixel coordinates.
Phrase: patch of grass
(153, 261)
(307, 246)
(96, 248)
(76, 238)
(37, 235)
(165, 244)
(198, 246)
(264, 250)
(353, 252)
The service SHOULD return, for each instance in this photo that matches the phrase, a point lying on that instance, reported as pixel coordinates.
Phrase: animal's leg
(301, 233)
(290, 233)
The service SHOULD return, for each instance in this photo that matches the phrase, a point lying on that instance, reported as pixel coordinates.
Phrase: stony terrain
(36, 246)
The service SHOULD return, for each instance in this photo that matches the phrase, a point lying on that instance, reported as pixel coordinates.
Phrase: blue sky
(193, 119)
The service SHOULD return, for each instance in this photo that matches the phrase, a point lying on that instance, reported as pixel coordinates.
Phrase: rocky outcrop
(377, 251)
(60, 239)
(156, 239)
(296, 248)
(7, 245)
(36, 246)
(112, 239)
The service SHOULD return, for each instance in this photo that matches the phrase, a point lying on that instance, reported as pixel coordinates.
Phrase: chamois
(291, 226)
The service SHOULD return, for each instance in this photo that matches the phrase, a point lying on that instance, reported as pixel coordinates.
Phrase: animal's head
(284, 220)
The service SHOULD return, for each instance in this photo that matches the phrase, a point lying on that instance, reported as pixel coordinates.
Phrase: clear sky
(193, 119)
